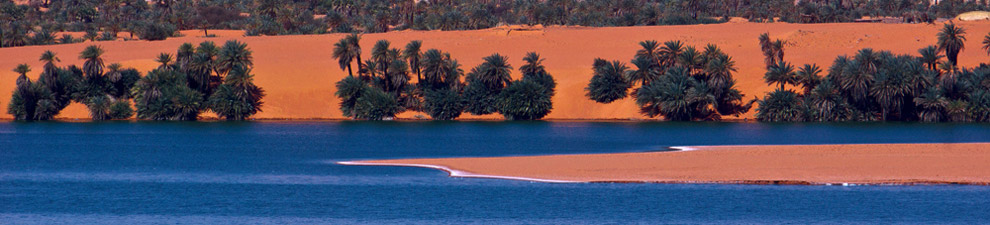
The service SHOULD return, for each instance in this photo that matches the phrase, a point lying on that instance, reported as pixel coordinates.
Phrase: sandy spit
(856, 164)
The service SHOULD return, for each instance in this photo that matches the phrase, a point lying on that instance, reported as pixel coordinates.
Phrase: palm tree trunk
(360, 65)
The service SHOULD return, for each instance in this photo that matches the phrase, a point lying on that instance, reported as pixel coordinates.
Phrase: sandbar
(844, 164)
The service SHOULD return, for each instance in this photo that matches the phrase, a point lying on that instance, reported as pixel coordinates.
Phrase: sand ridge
(894, 164)
(298, 72)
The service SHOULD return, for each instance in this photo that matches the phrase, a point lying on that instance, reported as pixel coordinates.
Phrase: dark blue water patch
(460, 200)
(284, 172)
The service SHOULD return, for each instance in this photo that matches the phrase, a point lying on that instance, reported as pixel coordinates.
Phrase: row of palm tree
(38, 22)
(383, 86)
(105, 90)
(882, 86)
(672, 80)
(199, 79)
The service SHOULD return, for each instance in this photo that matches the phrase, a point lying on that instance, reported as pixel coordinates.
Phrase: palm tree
(434, 68)
(766, 46)
(827, 103)
(22, 69)
(200, 70)
(779, 106)
(868, 60)
(650, 50)
(533, 70)
(952, 41)
(380, 54)
(342, 52)
(930, 57)
(397, 77)
(676, 96)
(780, 74)
(233, 54)
(719, 70)
(494, 72)
(524, 100)
(533, 65)
(986, 43)
(773, 51)
(778, 50)
(184, 55)
(808, 76)
(23, 102)
(238, 97)
(210, 53)
(856, 82)
(165, 60)
(49, 58)
(412, 54)
(93, 67)
(691, 59)
(670, 52)
(49, 73)
(932, 104)
(355, 48)
(645, 71)
(888, 89)
(712, 51)
(608, 84)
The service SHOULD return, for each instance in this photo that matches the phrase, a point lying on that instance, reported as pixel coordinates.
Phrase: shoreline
(213, 119)
(827, 165)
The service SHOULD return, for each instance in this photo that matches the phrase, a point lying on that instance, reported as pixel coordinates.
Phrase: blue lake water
(284, 173)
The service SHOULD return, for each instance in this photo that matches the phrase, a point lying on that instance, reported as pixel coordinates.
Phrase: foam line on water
(684, 148)
(456, 173)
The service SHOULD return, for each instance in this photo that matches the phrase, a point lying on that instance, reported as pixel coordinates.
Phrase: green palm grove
(383, 85)
(882, 86)
(672, 80)
(198, 79)
(41, 22)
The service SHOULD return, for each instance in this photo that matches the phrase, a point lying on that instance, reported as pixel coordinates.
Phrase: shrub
(107, 36)
(32, 101)
(609, 82)
(22, 102)
(99, 107)
(156, 31)
(780, 106)
(165, 95)
(121, 109)
(444, 104)
(349, 90)
(375, 104)
(524, 100)
(237, 98)
(67, 39)
(481, 100)
(121, 82)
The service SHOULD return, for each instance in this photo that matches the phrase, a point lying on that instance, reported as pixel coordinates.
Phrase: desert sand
(298, 71)
(781, 164)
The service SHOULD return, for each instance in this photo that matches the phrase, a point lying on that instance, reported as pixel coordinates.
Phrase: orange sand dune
(298, 72)
(780, 164)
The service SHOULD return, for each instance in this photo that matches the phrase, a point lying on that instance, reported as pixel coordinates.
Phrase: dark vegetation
(383, 85)
(672, 80)
(198, 79)
(40, 21)
(881, 86)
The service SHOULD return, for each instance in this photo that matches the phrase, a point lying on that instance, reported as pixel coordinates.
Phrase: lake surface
(284, 173)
